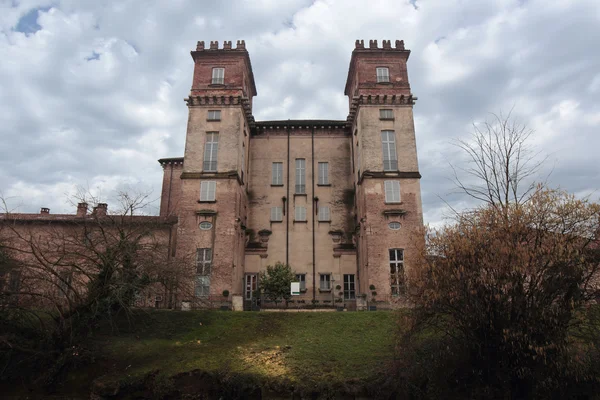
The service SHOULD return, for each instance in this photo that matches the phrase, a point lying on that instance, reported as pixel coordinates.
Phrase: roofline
(171, 160)
(302, 122)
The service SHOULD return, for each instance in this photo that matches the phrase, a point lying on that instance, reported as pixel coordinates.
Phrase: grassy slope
(301, 349)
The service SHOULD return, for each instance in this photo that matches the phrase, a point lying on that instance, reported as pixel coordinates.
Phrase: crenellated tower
(212, 206)
(385, 167)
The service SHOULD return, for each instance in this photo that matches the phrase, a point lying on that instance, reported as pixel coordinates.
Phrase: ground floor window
(349, 287)
(251, 286)
(203, 267)
(302, 279)
(397, 271)
(325, 282)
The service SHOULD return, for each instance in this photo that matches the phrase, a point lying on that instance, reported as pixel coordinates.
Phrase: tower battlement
(214, 45)
(387, 45)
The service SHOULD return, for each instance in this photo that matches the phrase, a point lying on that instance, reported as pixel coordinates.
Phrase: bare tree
(78, 270)
(502, 163)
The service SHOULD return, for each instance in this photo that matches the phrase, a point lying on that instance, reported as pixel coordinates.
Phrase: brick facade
(242, 238)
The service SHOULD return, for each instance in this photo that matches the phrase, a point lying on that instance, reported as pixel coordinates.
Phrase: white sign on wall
(295, 288)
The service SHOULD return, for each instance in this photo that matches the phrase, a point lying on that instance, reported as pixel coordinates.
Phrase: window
(64, 282)
(383, 74)
(323, 173)
(210, 151)
(300, 214)
(325, 282)
(205, 225)
(277, 173)
(276, 214)
(214, 115)
(349, 287)
(392, 192)
(386, 114)
(324, 214)
(203, 267)
(14, 281)
(300, 176)
(218, 76)
(397, 271)
(394, 226)
(302, 279)
(388, 143)
(207, 190)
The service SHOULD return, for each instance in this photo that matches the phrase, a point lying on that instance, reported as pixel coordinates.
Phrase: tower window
(392, 191)
(388, 144)
(207, 190)
(386, 114)
(203, 267)
(397, 271)
(383, 74)
(218, 76)
(214, 115)
(211, 149)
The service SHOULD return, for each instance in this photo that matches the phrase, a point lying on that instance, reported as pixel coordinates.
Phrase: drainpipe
(287, 218)
(312, 143)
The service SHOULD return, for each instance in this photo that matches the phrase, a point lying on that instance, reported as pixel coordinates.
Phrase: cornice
(223, 101)
(378, 100)
(212, 175)
(389, 174)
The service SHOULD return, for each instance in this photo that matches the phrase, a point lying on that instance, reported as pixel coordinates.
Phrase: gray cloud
(92, 92)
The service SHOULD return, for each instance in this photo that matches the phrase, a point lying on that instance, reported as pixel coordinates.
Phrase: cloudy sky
(91, 91)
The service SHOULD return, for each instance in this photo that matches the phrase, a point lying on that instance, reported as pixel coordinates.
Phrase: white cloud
(93, 93)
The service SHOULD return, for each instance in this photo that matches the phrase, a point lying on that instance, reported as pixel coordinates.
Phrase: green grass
(300, 349)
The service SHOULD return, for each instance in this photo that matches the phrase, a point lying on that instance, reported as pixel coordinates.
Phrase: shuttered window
(388, 144)
(300, 214)
(392, 191)
(277, 173)
(383, 74)
(324, 214)
(300, 176)
(276, 214)
(208, 190)
(218, 76)
(211, 149)
(323, 173)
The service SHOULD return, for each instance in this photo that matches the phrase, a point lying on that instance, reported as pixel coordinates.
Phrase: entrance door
(250, 286)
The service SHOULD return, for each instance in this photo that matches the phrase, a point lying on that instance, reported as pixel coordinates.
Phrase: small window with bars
(323, 173)
(277, 173)
(392, 191)
(208, 190)
(300, 176)
(214, 115)
(324, 214)
(383, 74)
(325, 282)
(386, 114)
(388, 144)
(218, 76)
(276, 214)
(300, 214)
(211, 149)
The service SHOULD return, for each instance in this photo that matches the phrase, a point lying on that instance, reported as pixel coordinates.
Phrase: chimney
(82, 209)
(100, 210)
(45, 211)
